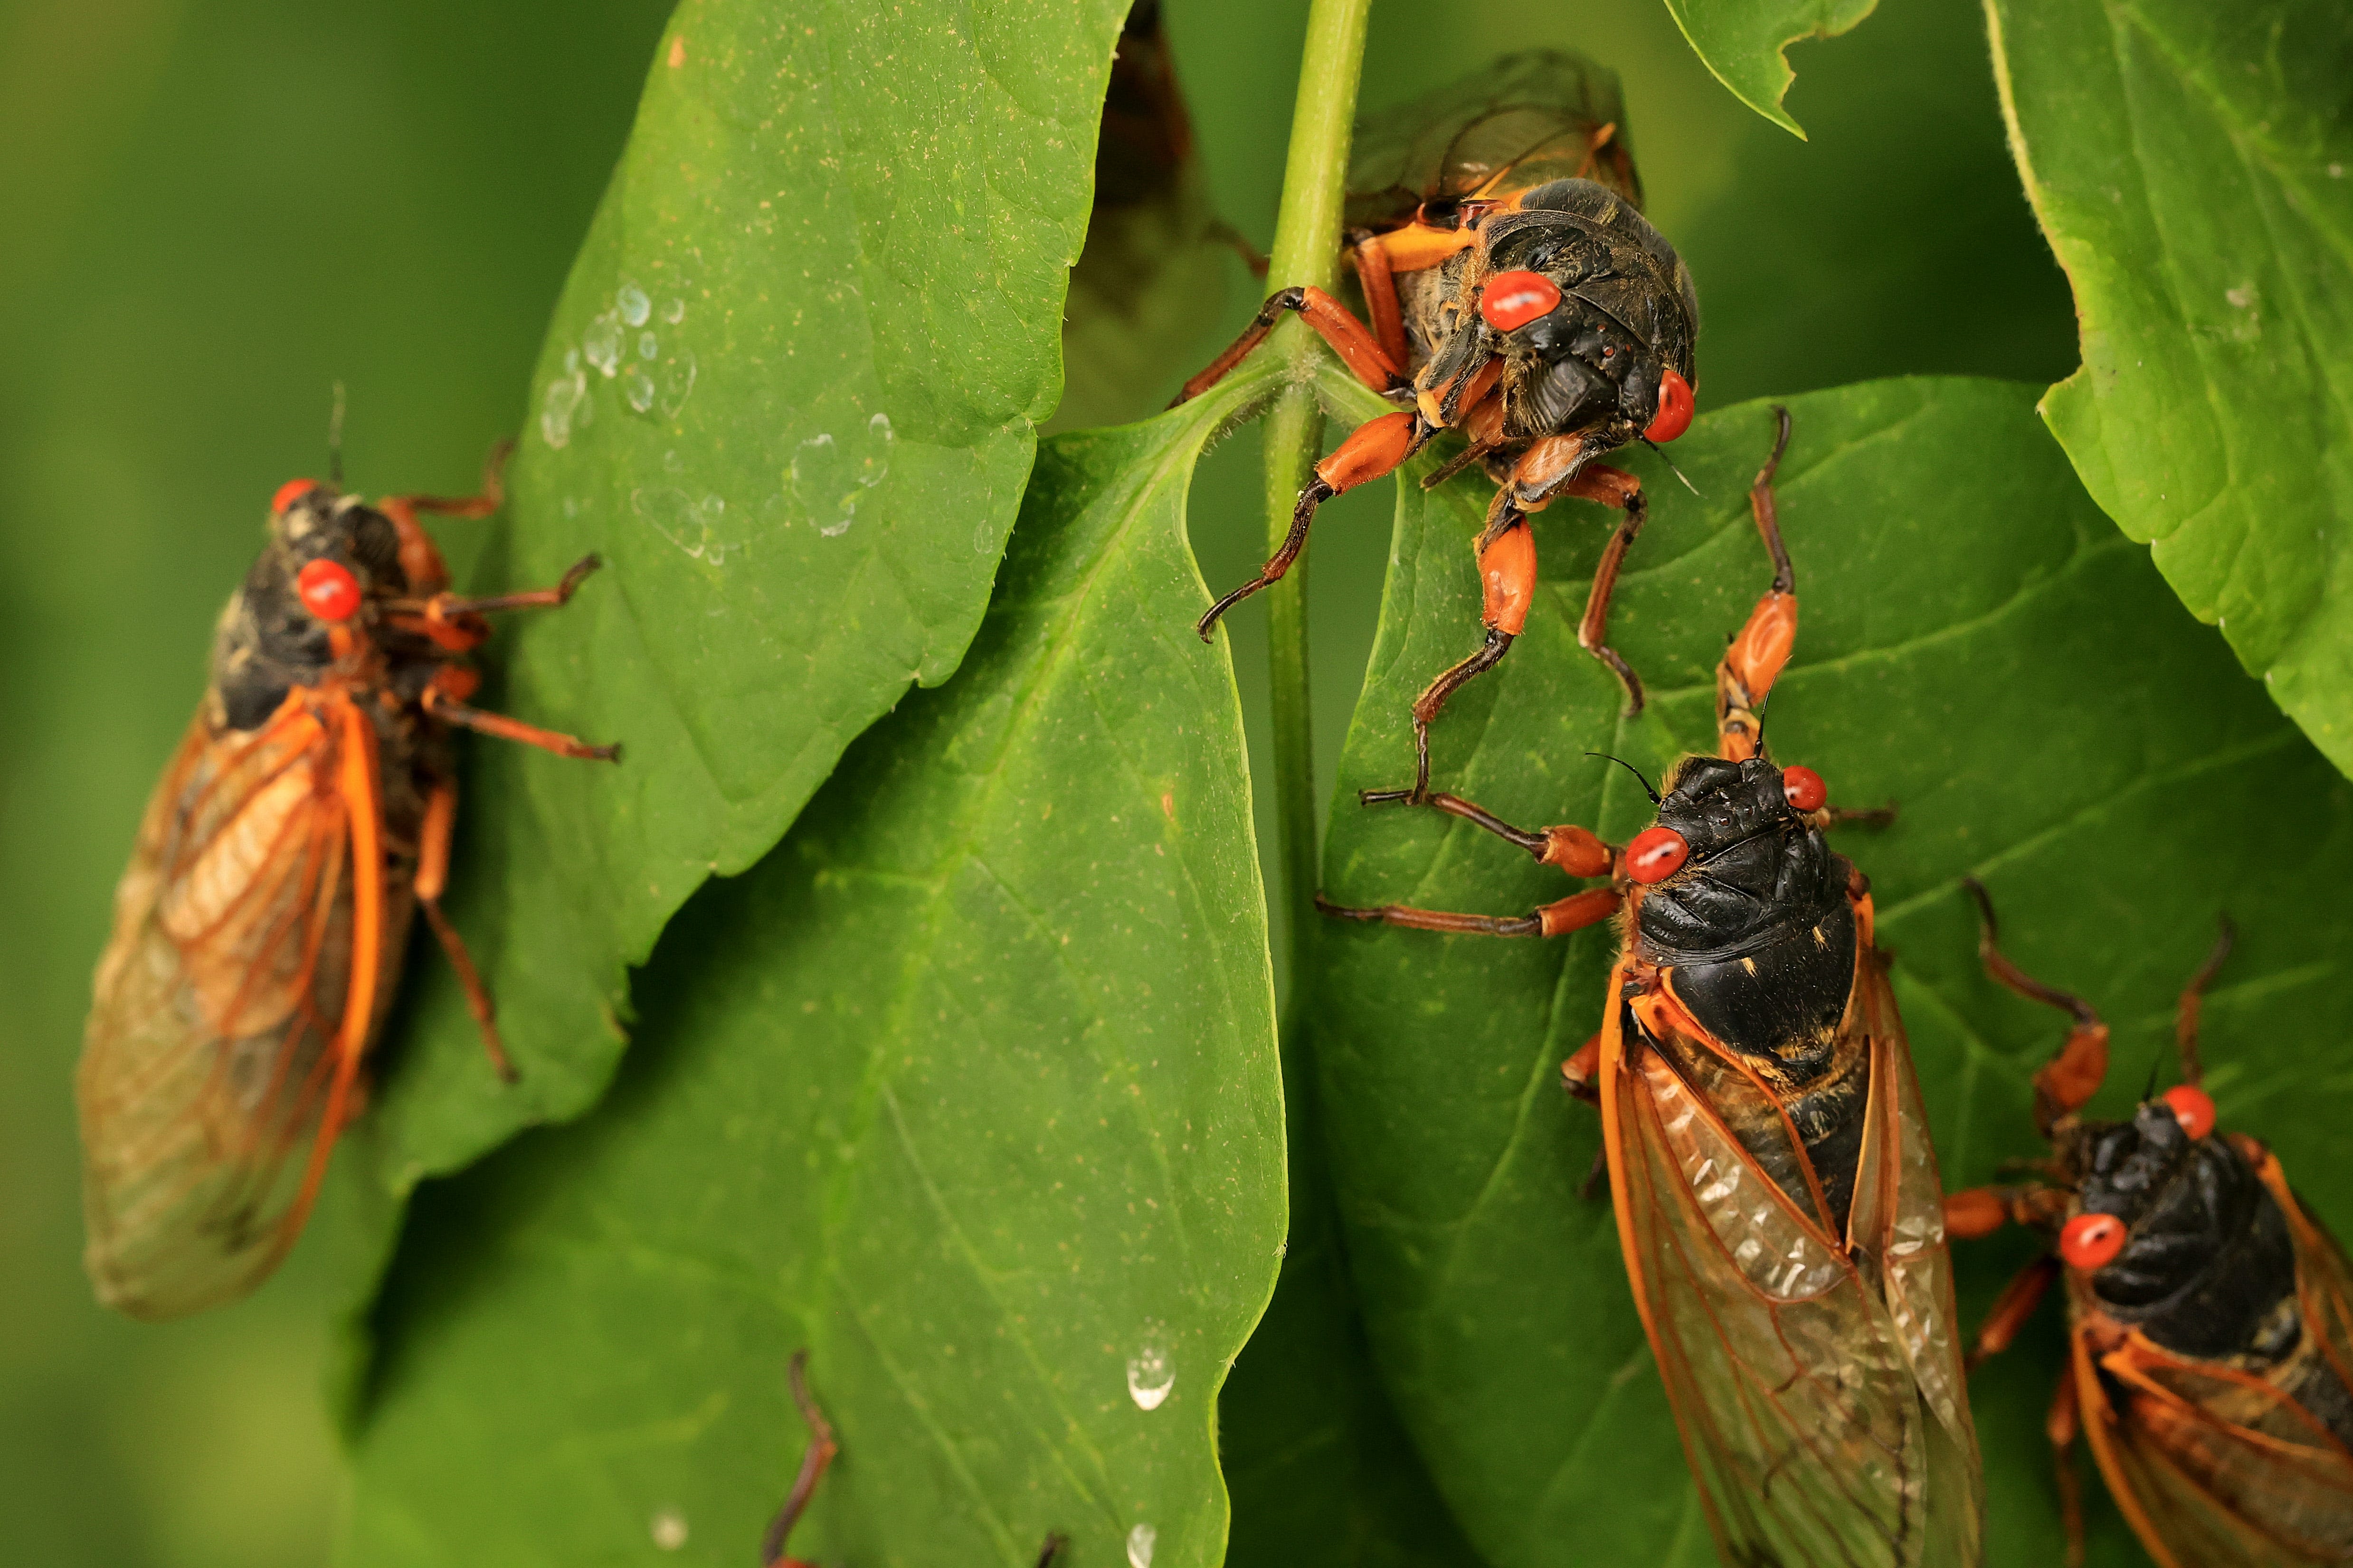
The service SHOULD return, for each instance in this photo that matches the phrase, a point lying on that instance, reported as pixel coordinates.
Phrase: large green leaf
(2190, 163)
(970, 1086)
(789, 394)
(1978, 645)
(1742, 41)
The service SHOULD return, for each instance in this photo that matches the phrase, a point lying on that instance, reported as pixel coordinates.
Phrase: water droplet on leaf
(1151, 1370)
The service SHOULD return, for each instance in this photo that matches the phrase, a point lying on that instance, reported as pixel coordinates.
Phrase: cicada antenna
(1631, 769)
(1669, 462)
(335, 440)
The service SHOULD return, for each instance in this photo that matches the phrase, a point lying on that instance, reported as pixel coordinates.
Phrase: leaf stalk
(1306, 251)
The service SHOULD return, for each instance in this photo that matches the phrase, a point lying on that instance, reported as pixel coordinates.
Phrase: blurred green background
(217, 208)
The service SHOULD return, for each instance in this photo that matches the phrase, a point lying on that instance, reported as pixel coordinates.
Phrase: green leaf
(1978, 645)
(2190, 164)
(788, 395)
(1321, 1468)
(970, 1086)
(1742, 42)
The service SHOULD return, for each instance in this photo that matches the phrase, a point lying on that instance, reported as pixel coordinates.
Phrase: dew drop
(632, 303)
(1151, 1370)
(667, 1529)
(674, 313)
(647, 346)
(601, 343)
(1139, 1546)
(639, 388)
(556, 414)
(673, 462)
(570, 360)
(677, 382)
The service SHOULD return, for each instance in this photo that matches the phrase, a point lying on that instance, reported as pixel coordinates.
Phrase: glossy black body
(1758, 938)
(2209, 1267)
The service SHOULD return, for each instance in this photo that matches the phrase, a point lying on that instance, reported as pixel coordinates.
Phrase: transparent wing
(1810, 1438)
(1897, 1227)
(1528, 118)
(206, 1062)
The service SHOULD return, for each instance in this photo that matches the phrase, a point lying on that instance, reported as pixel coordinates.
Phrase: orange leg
(455, 623)
(2069, 1080)
(814, 1459)
(2062, 1426)
(420, 559)
(1507, 584)
(2185, 1017)
(1350, 338)
(1580, 1073)
(1374, 276)
(1575, 850)
(1612, 487)
(1372, 449)
(1562, 916)
(432, 878)
(451, 710)
(2011, 1309)
(1757, 655)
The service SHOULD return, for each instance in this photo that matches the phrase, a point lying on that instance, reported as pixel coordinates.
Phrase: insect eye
(1805, 788)
(328, 590)
(2091, 1241)
(1655, 855)
(289, 492)
(2193, 1106)
(1675, 415)
(1513, 300)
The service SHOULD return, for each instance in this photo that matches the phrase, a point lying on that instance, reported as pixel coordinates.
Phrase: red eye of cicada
(1805, 788)
(2193, 1106)
(328, 590)
(289, 492)
(2091, 1241)
(1655, 855)
(1675, 415)
(1513, 300)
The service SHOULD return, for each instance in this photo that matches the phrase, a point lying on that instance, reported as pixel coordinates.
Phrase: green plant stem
(1306, 251)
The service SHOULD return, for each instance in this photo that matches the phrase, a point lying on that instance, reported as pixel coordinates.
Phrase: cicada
(2210, 1317)
(1776, 1191)
(258, 931)
(1518, 296)
(815, 1458)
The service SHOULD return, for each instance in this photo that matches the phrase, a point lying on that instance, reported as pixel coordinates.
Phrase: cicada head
(2172, 1229)
(1737, 890)
(329, 556)
(1750, 855)
(1595, 315)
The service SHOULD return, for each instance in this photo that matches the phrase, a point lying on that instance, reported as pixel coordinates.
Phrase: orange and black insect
(1517, 295)
(2210, 1318)
(815, 1458)
(258, 931)
(1776, 1191)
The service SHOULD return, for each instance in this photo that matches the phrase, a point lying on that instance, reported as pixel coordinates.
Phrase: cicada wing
(1895, 1226)
(1529, 117)
(2214, 1467)
(206, 1069)
(1806, 1431)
